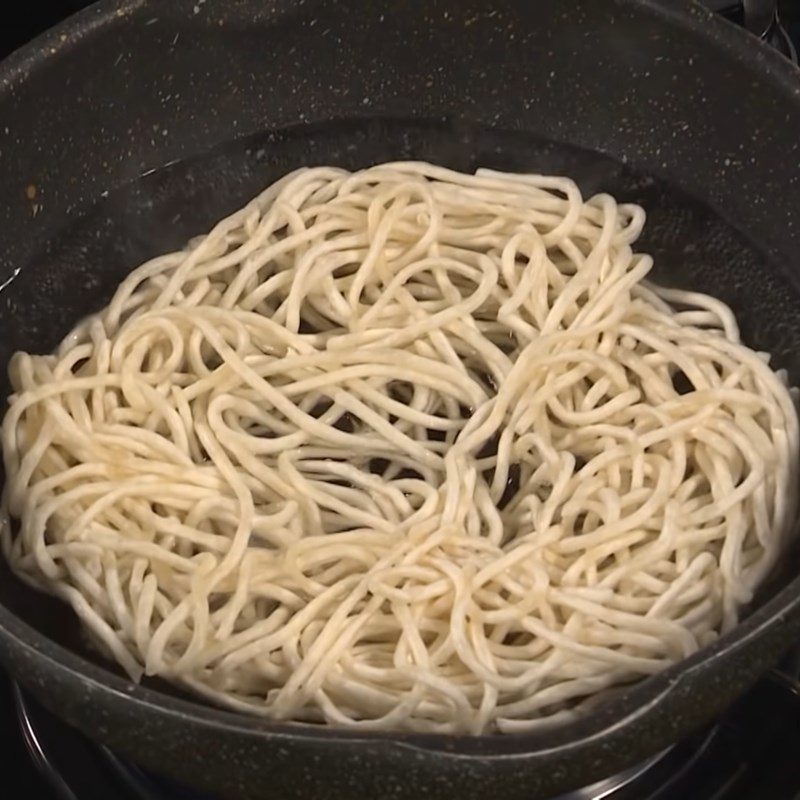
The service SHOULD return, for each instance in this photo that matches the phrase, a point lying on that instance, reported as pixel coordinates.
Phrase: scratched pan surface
(138, 124)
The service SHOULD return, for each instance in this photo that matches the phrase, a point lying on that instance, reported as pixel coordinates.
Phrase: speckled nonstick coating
(706, 121)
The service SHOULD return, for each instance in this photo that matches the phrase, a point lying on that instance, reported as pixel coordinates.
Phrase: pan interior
(77, 269)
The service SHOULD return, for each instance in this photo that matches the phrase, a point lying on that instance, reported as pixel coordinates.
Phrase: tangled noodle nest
(402, 448)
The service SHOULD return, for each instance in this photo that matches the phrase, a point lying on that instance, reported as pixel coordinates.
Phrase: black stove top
(750, 754)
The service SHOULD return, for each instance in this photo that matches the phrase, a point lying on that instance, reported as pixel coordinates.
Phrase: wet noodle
(404, 449)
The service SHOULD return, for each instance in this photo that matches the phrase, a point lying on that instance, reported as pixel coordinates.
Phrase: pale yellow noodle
(402, 448)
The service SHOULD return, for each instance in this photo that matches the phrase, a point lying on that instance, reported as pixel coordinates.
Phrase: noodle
(402, 449)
